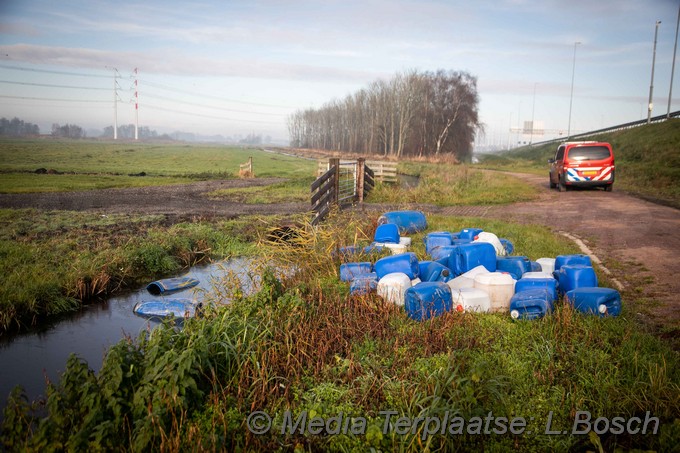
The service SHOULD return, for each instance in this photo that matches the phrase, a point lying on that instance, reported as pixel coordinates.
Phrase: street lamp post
(675, 50)
(651, 84)
(571, 97)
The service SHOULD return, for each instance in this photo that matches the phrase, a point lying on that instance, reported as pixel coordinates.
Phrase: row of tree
(17, 128)
(414, 113)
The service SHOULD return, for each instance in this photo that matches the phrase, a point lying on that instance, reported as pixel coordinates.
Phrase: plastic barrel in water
(437, 239)
(561, 260)
(515, 265)
(469, 233)
(349, 271)
(408, 221)
(530, 304)
(500, 288)
(470, 299)
(549, 284)
(427, 299)
(364, 284)
(387, 232)
(572, 276)
(392, 287)
(406, 263)
(469, 256)
(436, 272)
(599, 301)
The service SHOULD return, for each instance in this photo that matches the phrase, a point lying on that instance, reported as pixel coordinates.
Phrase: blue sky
(240, 67)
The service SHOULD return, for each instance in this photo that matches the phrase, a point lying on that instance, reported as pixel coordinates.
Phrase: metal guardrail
(632, 124)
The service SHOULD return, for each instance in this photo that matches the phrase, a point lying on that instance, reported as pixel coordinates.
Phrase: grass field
(106, 164)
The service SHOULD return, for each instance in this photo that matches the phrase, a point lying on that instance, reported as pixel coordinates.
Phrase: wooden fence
(246, 170)
(342, 184)
(384, 171)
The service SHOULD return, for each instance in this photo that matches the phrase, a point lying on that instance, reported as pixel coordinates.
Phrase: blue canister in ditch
(406, 263)
(598, 301)
(427, 300)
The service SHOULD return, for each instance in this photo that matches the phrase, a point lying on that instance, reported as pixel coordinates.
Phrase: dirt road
(636, 239)
(179, 200)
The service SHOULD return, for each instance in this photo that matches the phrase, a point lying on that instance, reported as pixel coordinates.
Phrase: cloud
(172, 62)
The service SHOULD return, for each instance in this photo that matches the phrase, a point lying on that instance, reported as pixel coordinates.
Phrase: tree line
(17, 128)
(413, 114)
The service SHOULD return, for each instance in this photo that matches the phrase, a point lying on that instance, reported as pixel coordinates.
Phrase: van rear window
(589, 153)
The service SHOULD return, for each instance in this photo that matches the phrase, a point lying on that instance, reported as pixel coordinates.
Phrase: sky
(234, 67)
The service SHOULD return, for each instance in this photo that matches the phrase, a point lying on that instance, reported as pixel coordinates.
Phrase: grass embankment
(447, 184)
(647, 160)
(82, 165)
(53, 262)
(308, 346)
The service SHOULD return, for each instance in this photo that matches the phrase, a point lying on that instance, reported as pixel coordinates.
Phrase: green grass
(286, 192)
(647, 160)
(304, 345)
(446, 184)
(112, 162)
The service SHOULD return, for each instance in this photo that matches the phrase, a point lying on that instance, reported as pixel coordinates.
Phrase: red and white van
(583, 164)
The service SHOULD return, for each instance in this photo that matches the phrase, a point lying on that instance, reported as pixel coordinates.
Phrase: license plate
(589, 173)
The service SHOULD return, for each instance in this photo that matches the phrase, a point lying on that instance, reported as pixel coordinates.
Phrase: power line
(52, 85)
(195, 104)
(193, 93)
(206, 116)
(48, 71)
(51, 99)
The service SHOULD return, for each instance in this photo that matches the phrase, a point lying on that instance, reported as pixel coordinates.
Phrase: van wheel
(561, 186)
(609, 187)
(550, 183)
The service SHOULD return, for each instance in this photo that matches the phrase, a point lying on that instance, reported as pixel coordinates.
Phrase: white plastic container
(467, 280)
(499, 286)
(393, 286)
(547, 264)
(405, 241)
(537, 275)
(470, 299)
(493, 240)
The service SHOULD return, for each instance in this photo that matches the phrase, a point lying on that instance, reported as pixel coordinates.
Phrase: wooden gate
(342, 184)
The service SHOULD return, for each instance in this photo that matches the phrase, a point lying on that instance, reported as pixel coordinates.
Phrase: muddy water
(29, 358)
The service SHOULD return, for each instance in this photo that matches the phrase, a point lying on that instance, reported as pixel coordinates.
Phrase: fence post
(335, 163)
(361, 164)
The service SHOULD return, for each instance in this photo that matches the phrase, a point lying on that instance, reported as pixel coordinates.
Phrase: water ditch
(30, 357)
